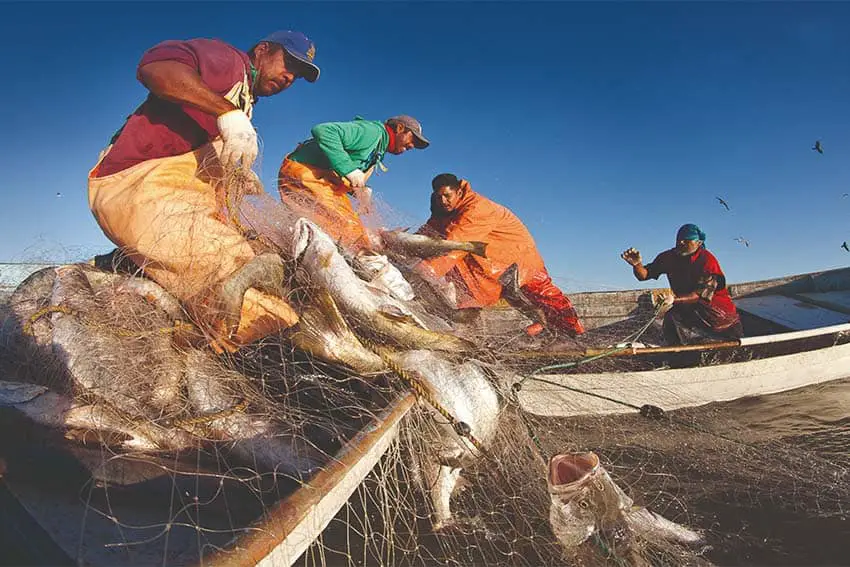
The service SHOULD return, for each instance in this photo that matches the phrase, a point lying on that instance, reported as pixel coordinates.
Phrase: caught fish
(585, 501)
(422, 246)
(466, 393)
(369, 311)
(90, 346)
(216, 393)
(60, 411)
(323, 333)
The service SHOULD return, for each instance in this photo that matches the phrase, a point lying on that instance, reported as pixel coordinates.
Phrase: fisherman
(160, 191)
(699, 308)
(513, 268)
(319, 175)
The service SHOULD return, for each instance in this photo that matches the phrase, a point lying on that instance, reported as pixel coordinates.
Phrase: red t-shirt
(159, 128)
(684, 273)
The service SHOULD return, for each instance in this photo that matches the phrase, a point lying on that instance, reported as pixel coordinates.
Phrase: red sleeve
(219, 64)
(711, 267)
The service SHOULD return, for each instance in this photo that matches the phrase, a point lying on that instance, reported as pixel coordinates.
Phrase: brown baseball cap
(412, 124)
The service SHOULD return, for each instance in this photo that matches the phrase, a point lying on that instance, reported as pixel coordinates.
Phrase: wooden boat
(797, 334)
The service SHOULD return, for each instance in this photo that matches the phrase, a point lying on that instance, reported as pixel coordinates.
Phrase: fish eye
(584, 504)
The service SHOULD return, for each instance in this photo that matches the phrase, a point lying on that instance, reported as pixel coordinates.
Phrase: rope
(206, 418)
(460, 427)
(248, 233)
(119, 331)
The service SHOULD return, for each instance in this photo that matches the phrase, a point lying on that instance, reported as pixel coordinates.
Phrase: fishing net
(156, 450)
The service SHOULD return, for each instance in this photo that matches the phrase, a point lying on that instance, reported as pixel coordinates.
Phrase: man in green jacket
(317, 178)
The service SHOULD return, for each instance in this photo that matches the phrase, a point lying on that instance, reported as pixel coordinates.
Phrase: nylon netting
(147, 447)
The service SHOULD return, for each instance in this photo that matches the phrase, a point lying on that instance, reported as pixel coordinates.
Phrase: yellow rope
(421, 391)
(203, 419)
(120, 331)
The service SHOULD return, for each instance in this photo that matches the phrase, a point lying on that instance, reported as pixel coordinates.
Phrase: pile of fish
(141, 389)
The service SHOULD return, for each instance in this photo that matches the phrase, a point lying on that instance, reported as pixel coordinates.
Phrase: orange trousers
(321, 196)
(168, 215)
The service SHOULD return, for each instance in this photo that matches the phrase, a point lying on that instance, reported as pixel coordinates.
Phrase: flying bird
(845, 246)
(58, 194)
(743, 241)
(817, 147)
(846, 194)
(722, 202)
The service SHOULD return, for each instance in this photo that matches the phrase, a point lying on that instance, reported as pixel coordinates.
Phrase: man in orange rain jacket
(513, 268)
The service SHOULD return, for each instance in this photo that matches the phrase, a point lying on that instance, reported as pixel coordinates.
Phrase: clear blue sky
(602, 125)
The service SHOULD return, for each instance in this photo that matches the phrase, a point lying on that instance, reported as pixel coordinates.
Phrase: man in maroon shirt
(699, 307)
(162, 189)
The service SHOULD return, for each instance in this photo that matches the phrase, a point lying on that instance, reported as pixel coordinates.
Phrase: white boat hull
(584, 394)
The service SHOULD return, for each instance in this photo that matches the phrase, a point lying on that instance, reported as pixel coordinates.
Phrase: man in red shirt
(162, 189)
(699, 307)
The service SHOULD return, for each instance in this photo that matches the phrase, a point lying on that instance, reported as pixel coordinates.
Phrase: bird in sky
(59, 194)
(722, 202)
(845, 246)
(818, 147)
(743, 241)
(846, 195)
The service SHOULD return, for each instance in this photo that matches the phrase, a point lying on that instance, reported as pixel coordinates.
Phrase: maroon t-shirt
(688, 273)
(159, 128)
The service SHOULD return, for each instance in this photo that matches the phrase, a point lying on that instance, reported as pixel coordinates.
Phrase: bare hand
(632, 257)
(663, 300)
(364, 200)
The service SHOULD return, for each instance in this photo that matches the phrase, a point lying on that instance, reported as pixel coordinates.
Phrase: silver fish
(60, 411)
(366, 309)
(465, 391)
(585, 501)
(422, 246)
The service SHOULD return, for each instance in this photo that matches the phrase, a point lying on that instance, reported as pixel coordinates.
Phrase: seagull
(845, 246)
(743, 241)
(846, 194)
(722, 202)
(59, 195)
(817, 147)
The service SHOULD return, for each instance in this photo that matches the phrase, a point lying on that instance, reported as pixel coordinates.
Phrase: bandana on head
(690, 232)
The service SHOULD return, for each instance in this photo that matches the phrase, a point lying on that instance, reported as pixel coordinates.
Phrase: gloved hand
(240, 139)
(357, 179)
(364, 200)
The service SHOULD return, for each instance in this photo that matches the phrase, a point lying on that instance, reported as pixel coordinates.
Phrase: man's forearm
(640, 272)
(180, 83)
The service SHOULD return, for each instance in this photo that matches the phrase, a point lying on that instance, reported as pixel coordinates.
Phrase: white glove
(357, 179)
(240, 139)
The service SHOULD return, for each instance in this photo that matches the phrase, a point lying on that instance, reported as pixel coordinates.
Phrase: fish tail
(479, 248)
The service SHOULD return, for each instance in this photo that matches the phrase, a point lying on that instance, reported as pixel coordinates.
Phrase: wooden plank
(612, 393)
(294, 523)
(790, 313)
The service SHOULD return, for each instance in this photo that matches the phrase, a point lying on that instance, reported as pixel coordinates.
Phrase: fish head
(584, 500)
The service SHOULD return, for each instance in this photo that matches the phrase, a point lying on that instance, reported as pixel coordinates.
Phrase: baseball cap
(412, 124)
(298, 46)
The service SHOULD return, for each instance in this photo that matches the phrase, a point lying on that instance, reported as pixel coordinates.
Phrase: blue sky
(602, 125)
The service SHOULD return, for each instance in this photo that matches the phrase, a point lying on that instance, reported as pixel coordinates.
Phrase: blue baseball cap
(298, 46)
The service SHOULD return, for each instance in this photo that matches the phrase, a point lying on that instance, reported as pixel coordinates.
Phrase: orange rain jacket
(508, 241)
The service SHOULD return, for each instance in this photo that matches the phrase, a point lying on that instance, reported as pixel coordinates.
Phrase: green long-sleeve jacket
(344, 146)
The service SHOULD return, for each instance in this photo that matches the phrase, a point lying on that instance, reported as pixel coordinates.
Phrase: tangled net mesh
(181, 465)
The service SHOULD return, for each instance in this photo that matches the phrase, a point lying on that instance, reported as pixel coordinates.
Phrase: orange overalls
(508, 242)
(322, 196)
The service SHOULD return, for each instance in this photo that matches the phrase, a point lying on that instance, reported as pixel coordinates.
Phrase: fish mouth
(303, 236)
(571, 469)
